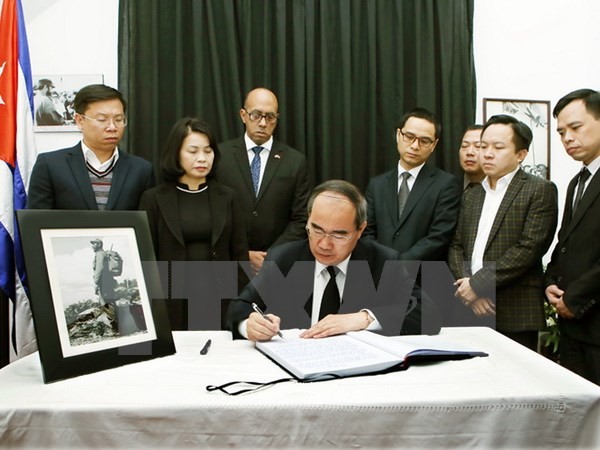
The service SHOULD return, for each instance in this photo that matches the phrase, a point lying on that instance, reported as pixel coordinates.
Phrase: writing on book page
(331, 353)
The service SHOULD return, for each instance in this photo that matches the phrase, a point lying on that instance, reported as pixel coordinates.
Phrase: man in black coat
(573, 275)
(373, 290)
(94, 174)
(414, 207)
(271, 179)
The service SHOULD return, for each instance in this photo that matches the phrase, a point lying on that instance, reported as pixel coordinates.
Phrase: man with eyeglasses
(94, 174)
(413, 208)
(327, 284)
(270, 178)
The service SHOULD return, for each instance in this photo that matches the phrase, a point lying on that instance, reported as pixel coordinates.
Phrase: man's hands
(260, 329)
(481, 306)
(464, 291)
(337, 324)
(256, 260)
(555, 296)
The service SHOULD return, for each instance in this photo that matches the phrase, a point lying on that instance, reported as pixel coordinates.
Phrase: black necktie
(403, 193)
(583, 176)
(330, 303)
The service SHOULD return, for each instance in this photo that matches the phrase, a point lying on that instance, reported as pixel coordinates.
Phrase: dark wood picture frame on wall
(534, 113)
(90, 314)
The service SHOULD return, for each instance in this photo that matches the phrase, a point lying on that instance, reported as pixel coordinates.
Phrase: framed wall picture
(534, 113)
(94, 290)
(53, 100)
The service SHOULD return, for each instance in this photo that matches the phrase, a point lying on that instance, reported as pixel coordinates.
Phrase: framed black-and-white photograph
(53, 100)
(534, 113)
(94, 290)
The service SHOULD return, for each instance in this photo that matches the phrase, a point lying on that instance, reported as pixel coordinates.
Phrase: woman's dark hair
(171, 169)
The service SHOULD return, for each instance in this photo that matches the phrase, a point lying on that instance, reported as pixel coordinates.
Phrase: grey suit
(60, 180)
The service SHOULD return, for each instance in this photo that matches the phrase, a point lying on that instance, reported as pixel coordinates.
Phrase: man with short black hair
(573, 275)
(505, 227)
(468, 155)
(94, 174)
(413, 208)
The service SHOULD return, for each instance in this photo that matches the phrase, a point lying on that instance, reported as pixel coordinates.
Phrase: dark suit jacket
(520, 236)
(228, 241)
(575, 263)
(60, 180)
(426, 227)
(278, 215)
(367, 269)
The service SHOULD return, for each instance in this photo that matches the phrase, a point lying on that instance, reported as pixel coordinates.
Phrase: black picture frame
(534, 113)
(48, 236)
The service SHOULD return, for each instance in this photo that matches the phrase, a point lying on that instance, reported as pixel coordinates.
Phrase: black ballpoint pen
(204, 350)
(258, 310)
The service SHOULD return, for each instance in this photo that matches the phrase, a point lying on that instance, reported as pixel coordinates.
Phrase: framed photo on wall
(53, 100)
(94, 290)
(534, 113)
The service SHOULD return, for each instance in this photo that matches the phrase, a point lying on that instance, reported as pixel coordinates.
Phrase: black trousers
(580, 357)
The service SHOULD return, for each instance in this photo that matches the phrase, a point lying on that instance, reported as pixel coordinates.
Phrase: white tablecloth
(513, 398)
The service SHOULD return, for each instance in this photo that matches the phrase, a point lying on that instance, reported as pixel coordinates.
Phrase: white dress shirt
(92, 159)
(491, 204)
(414, 173)
(321, 278)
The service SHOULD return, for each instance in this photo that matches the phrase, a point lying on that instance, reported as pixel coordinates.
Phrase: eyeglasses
(337, 238)
(257, 116)
(103, 122)
(424, 142)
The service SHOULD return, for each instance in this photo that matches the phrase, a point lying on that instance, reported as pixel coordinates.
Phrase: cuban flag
(17, 155)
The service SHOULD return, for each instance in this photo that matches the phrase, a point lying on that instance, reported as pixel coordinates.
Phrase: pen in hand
(258, 310)
(204, 350)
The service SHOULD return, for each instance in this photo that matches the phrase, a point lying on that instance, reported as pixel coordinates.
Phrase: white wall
(528, 49)
(541, 50)
(537, 49)
(71, 37)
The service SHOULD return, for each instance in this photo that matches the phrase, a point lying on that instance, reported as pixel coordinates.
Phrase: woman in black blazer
(194, 218)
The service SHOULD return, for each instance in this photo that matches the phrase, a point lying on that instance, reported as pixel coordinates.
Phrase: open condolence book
(356, 353)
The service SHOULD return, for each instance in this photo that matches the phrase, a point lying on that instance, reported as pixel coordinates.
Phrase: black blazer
(575, 263)
(60, 180)
(278, 215)
(367, 268)
(425, 230)
(228, 241)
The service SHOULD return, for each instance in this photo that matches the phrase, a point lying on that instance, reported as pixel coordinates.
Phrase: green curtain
(344, 72)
